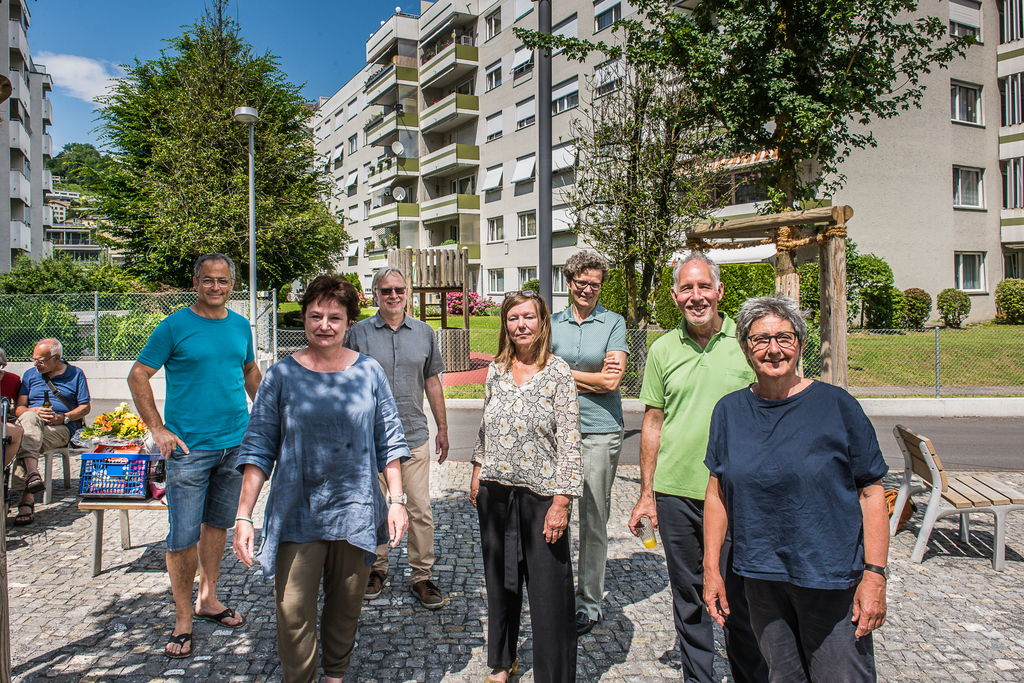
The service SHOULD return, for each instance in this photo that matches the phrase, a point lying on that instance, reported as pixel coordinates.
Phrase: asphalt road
(967, 443)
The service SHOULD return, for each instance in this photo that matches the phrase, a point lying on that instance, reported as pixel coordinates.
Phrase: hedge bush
(613, 292)
(917, 307)
(744, 281)
(1010, 300)
(666, 313)
(478, 305)
(26, 320)
(884, 308)
(954, 305)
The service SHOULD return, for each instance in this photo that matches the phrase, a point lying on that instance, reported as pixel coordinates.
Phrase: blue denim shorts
(203, 487)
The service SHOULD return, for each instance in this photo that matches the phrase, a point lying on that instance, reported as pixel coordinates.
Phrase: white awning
(563, 157)
(607, 72)
(353, 250)
(965, 12)
(352, 177)
(339, 153)
(604, 5)
(562, 219)
(492, 181)
(522, 56)
(524, 169)
(564, 89)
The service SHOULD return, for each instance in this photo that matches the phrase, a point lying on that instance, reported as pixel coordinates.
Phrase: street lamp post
(250, 116)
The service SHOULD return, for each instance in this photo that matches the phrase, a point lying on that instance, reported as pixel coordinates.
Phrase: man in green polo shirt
(688, 370)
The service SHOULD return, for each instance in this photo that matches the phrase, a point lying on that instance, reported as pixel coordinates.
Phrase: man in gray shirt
(407, 350)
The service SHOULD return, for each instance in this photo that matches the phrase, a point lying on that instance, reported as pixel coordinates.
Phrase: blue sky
(82, 42)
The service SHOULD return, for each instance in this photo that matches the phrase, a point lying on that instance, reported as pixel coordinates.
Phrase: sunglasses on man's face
(388, 291)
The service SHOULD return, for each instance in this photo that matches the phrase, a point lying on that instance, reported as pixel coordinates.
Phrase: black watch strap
(884, 571)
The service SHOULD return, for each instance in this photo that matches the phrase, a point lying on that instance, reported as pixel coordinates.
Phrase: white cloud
(80, 77)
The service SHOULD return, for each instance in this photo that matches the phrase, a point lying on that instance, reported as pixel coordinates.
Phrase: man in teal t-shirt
(688, 370)
(209, 364)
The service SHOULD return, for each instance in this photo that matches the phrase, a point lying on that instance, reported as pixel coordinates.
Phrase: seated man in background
(62, 386)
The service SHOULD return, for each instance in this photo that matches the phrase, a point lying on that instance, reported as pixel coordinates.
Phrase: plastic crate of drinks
(120, 475)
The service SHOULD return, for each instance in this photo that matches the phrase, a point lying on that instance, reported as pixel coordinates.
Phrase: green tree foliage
(666, 312)
(29, 319)
(177, 186)
(1010, 300)
(79, 163)
(917, 307)
(743, 281)
(869, 282)
(63, 275)
(953, 305)
(799, 78)
(613, 293)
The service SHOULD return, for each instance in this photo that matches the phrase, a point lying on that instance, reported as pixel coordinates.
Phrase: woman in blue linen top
(795, 474)
(325, 423)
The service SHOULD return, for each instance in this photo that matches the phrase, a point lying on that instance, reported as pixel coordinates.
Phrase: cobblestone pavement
(951, 618)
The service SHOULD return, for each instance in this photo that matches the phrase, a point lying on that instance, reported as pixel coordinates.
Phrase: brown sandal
(34, 483)
(25, 520)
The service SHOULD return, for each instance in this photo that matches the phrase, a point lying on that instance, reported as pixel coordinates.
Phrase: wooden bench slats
(984, 492)
(1016, 497)
(112, 504)
(957, 499)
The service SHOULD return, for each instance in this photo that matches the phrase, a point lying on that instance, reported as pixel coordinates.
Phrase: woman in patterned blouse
(526, 470)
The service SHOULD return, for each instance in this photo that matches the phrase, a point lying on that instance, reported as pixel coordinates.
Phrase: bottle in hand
(647, 533)
(46, 399)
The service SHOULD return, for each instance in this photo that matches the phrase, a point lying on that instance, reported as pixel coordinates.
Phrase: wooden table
(98, 506)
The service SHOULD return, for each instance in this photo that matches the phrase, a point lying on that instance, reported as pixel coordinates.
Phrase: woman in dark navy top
(795, 476)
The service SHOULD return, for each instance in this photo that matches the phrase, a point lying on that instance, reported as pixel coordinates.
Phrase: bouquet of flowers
(118, 427)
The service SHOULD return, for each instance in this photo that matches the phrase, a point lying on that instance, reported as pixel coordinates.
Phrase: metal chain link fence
(100, 326)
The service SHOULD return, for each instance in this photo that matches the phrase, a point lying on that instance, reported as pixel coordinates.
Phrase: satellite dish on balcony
(398, 148)
(399, 194)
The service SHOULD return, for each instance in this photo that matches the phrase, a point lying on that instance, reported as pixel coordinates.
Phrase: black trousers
(681, 525)
(512, 538)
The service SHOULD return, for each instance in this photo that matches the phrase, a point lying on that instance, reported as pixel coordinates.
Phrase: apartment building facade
(25, 146)
(434, 142)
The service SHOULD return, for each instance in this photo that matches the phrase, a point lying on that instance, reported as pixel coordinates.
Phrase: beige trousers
(300, 567)
(39, 437)
(416, 485)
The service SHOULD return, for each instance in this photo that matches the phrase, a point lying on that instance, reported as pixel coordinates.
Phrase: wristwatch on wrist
(884, 571)
(400, 499)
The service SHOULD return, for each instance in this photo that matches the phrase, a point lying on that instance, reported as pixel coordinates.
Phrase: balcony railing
(451, 158)
(447, 64)
(392, 213)
(392, 167)
(450, 112)
(449, 206)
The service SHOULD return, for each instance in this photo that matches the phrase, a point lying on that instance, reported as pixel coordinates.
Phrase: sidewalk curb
(874, 407)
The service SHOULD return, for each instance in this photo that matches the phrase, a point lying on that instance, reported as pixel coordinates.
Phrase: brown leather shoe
(429, 594)
(375, 584)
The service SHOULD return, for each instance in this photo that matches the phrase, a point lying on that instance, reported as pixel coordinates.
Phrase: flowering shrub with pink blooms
(478, 305)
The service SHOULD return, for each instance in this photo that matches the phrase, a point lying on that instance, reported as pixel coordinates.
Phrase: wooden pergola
(824, 227)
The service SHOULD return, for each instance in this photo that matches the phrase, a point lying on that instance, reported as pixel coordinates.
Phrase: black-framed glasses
(388, 291)
(582, 285)
(522, 292)
(760, 342)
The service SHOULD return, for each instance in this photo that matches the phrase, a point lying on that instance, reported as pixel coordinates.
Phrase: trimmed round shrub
(884, 308)
(1010, 300)
(917, 307)
(533, 284)
(954, 305)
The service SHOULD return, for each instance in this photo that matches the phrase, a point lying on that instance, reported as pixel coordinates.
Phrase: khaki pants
(600, 463)
(300, 567)
(38, 438)
(416, 486)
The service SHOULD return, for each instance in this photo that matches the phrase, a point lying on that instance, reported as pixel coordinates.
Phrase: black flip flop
(218, 619)
(180, 639)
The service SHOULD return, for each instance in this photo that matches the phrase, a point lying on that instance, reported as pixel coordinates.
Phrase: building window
(526, 113)
(353, 144)
(494, 126)
(964, 18)
(526, 274)
(496, 229)
(352, 108)
(523, 7)
(493, 21)
(493, 78)
(366, 207)
(496, 280)
(565, 96)
(607, 77)
(1011, 103)
(967, 189)
(522, 62)
(1011, 20)
(566, 29)
(965, 103)
(1011, 265)
(970, 271)
(606, 14)
(527, 225)
(558, 285)
(1013, 183)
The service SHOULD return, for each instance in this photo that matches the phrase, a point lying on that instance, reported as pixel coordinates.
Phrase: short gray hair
(384, 272)
(214, 257)
(3, 357)
(700, 256)
(585, 260)
(779, 305)
(56, 349)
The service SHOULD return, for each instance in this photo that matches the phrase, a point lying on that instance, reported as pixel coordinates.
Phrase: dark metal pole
(544, 155)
